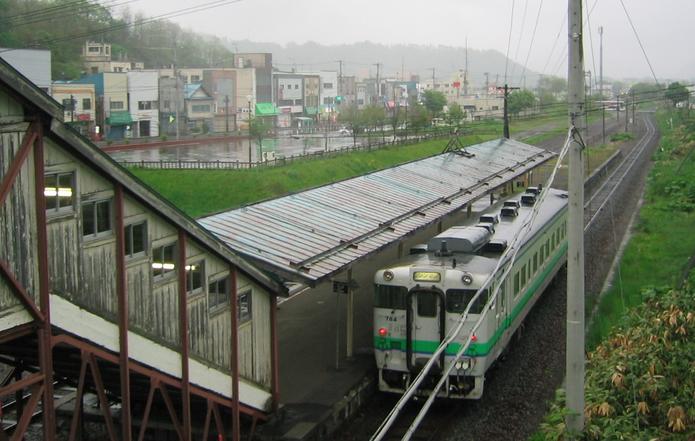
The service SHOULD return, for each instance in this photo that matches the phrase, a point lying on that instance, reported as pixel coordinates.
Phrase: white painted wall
(143, 86)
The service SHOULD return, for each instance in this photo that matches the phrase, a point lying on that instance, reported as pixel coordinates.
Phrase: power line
(82, 7)
(557, 38)
(639, 41)
(533, 37)
(521, 34)
(509, 41)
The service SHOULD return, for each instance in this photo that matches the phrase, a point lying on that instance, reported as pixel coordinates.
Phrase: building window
(95, 49)
(163, 261)
(218, 294)
(116, 105)
(135, 239)
(328, 85)
(58, 190)
(194, 277)
(68, 103)
(144, 105)
(166, 104)
(328, 100)
(200, 108)
(195, 78)
(243, 307)
(86, 104)
(96, 218)
(94, 69)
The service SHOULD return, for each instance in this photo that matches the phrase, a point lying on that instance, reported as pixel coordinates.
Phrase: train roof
(505, 231)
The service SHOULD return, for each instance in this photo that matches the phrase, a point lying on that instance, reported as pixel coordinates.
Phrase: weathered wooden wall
(18, 245)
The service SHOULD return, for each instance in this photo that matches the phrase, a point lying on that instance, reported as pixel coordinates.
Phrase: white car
(344, 131)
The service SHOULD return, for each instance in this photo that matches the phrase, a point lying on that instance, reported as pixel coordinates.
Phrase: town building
(79, 104)
(199, 108)
(289, 91)
(97, 57)
(263, 65)
(172, 110)
(113, 119)
(143, 102)
(221, 85)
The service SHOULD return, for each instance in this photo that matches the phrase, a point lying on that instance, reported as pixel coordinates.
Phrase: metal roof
(312, 235)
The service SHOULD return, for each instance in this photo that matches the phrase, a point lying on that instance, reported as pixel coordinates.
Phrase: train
(421, 298)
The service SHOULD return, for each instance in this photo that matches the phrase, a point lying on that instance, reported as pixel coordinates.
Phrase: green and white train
(421, 298)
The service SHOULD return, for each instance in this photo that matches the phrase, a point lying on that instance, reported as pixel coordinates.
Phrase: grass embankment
(663, 241)
(201, 192)
(640, 381)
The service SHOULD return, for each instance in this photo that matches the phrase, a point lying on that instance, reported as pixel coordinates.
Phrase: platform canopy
(310, 236)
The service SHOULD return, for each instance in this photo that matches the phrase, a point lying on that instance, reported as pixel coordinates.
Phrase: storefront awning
(266, 109)
(119, 119)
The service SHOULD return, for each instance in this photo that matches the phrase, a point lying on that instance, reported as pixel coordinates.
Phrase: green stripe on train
(476, 349)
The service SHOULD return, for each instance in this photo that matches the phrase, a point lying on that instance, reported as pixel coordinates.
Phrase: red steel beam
(156, 375)
(172, 411)
(45, 333)
(208, 416)
(183, 331)
(218, 421)
(234, 363)
(78, 398)
(17, 332)
(25, 419)
(19, 291)
(275, 380)
(21, 384)
(154, 384)
(122, 293)
(101, 393)
(18, 161)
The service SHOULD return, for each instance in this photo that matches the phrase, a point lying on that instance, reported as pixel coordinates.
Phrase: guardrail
(277, 161)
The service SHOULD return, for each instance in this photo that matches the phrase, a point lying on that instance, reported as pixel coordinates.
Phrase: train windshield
(392, 297)
(457, 300)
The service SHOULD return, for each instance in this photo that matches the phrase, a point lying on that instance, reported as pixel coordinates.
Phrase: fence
(277, 161)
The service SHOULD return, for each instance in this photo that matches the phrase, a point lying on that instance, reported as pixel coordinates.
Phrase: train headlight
(383, 332)
(467, 279)
(463, 364)
(388, 275)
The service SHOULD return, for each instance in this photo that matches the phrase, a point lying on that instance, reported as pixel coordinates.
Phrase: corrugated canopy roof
(312, 235)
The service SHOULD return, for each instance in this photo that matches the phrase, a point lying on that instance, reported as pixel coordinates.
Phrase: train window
(523, 275)
(426, 303)
(457, 300)
(542, 253)
(516, 284)
(387, 296)
(501, 296)
(535, 263)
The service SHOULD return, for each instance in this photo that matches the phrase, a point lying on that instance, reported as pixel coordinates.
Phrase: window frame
(248, 316)
(129, 240)
(225, 295)
(158, 257)
(95, 203)
(192, 269)
(60, 209)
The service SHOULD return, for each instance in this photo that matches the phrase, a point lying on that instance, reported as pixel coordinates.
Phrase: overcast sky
(662, 25)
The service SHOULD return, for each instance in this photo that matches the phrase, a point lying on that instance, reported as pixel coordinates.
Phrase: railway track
(534, 366)
(598, 202)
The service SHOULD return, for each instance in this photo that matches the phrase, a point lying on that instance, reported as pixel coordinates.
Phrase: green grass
(201, 192)
(664, 240)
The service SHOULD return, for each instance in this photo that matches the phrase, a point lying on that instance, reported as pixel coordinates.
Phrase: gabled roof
(31, 96)
(196, 91)
(310, 236)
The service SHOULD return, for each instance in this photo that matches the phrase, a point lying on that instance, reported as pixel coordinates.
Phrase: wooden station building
(108, 289)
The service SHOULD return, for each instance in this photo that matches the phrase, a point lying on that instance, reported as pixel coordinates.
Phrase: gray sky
(662, 25)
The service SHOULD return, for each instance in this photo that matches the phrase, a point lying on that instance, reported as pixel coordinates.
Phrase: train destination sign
(426, 276)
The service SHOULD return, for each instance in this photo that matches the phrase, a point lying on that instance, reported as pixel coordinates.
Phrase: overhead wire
(533, 37)
(82, 7)
(639, 41)
(509, 41)
(521, 34)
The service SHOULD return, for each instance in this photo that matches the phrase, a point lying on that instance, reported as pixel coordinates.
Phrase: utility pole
(433, 77)
(618, 107)
(575, 253)
(603, 99)
(72, 108)
(627, 112)
(632, 93)
(226, 113)
(465, 72)
(340, 79)
(587, 93)
(506, 89)
(378, 66)
(177, 97)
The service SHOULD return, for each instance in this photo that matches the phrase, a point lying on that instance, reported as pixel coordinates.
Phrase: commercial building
(143, 99)
(79, 104)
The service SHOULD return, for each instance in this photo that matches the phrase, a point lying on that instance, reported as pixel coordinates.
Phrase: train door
(502, 311)
(426, 323)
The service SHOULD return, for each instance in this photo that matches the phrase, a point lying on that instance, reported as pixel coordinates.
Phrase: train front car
(416, 303)
(422, 298)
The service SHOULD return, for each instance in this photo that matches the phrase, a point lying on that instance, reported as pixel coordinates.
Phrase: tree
(374, 116)
(418, 117)
(520, 100)
(552, 86)
(455, 114)
(434, 101)
(258, 130)
(352, 117)
(646, 91)
(396, 118)
(676, 93)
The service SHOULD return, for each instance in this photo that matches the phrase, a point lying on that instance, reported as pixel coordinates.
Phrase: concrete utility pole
(433, 77)
(600, 70)
(465, 72)
(226, 113)
(340, 78)
(587, 93)
(378, 94)
(575, 231)
(506, 89)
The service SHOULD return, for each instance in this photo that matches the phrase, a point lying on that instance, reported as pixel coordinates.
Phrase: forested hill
(63, 26)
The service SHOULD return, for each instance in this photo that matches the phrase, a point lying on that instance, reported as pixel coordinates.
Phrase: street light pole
(249, 119)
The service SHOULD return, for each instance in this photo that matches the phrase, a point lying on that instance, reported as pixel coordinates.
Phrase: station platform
(319, 387)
